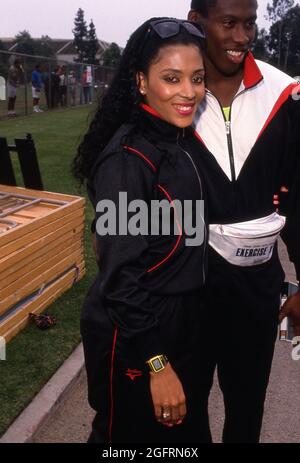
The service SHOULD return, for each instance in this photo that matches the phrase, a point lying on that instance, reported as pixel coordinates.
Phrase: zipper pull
(228, 126)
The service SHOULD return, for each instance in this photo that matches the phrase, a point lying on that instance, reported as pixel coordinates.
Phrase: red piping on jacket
(281, 100)
(150, 110)
(132, 150)
(111, 384)
(155, 267)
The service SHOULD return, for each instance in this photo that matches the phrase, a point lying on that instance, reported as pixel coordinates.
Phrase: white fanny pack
(247, 243)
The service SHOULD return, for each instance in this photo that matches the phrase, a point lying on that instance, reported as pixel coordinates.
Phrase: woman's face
(174, 85)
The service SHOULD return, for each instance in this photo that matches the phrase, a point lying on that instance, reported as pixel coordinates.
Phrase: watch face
(157, 364)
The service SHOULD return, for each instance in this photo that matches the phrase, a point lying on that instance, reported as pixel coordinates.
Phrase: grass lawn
(34, 355)
(21, 102)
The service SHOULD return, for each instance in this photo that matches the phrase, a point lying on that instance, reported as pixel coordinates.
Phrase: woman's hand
(168, 397)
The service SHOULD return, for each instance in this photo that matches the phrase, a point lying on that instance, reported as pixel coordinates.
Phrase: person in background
(46, 84)
(86, 83)
(37, 85)
(72, 83)
(15, 75)
(55, 80)
(62, 87)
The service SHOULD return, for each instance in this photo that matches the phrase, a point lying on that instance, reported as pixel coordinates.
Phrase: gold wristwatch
(157, 363)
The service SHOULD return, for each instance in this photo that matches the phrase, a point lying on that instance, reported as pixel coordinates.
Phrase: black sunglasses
(167, 28)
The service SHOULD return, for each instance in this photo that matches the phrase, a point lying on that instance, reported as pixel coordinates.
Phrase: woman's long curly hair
(120, 104)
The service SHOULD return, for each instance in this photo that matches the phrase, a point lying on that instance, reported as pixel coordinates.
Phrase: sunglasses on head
(167, 28)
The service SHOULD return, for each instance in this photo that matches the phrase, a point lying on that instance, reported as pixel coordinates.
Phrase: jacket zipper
(229, 141)
(201, 193)
(229, 134)
(230, 147)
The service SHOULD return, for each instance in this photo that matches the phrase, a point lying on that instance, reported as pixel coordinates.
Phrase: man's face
(230, 28)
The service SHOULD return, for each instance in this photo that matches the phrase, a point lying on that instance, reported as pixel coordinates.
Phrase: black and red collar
(150, 110)
(152, 124)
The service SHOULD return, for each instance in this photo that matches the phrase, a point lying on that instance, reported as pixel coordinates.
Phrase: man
(62, 87)
(13, 81)
(248, 138)
(37, 84)
(55, 80)
(86, 82)
(72, 83)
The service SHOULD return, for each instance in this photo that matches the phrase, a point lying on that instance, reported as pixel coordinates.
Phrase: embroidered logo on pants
(132, 374)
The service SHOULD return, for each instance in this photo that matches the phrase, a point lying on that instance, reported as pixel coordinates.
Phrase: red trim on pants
(111, 384)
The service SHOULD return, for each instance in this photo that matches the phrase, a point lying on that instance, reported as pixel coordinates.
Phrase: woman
(141, 318)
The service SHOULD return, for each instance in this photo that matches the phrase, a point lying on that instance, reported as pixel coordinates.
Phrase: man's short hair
(202, 6)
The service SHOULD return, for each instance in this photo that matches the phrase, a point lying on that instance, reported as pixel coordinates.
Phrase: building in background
(64, 48)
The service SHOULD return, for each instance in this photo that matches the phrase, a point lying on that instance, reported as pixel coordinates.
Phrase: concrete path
(70, 422)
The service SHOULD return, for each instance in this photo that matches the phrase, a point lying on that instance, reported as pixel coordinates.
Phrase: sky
(115, 20)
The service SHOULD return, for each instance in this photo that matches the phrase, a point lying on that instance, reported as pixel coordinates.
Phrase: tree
(276, 12)
(4, 61)
(112, 55)
(41, 47)
(260, 48)
(92, 44)
(80, 36)
(25, 43)
(290, 40)
(278, 9)
(44, 47)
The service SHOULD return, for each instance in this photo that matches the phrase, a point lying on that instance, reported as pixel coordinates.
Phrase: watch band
(157, 363)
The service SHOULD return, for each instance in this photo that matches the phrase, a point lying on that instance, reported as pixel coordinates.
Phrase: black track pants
(244, 305)
(119, 382)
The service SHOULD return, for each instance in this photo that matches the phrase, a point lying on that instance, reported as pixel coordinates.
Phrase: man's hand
(291, 309)
(168, 397)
